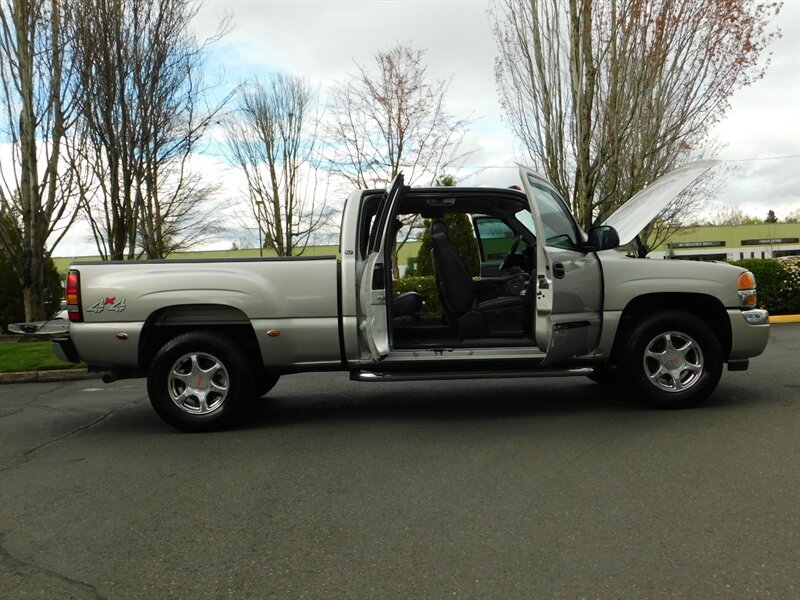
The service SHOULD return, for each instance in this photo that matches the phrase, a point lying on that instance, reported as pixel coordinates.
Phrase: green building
(765, 240)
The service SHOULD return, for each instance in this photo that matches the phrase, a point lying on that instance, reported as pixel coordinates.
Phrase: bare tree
(145, 111)
(732, 216)
(391, 121)
(793, 217)
(394, 120)
(608, 96)
(272, 139)
(37, 110)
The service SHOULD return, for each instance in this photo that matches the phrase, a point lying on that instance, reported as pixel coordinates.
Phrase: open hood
(633, 216)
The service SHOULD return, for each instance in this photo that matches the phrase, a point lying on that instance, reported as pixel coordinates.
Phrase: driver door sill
(375, 376)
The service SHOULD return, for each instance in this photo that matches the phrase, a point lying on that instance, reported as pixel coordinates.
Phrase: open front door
(373, 322)
(568, 312)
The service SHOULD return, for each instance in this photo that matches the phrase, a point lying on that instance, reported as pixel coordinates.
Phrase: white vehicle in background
(57, 325)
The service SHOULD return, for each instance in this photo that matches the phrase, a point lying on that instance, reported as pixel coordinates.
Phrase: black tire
(671, 360)
(200, 381)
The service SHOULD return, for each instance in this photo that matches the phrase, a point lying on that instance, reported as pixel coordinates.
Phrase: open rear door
(373, 323)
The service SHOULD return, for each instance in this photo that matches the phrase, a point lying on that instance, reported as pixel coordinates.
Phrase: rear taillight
(74, 296)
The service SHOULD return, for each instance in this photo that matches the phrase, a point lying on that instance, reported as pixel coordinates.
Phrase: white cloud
(764, 122)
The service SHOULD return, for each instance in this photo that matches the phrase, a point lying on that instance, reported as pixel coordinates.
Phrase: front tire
(199, 381)
(672, 360)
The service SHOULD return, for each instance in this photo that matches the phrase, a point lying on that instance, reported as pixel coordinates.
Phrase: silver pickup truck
(551, 300)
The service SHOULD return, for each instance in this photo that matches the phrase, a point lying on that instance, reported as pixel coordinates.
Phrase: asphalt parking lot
(335, 489)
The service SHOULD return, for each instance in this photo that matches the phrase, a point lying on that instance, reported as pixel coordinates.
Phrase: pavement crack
(25, 456)
(97, 421)
(11, 412)
(27, 570)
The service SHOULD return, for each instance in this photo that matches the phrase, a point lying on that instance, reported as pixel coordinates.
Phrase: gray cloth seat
(472, 314)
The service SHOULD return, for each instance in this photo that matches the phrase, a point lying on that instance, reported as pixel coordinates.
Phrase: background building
(765, 240)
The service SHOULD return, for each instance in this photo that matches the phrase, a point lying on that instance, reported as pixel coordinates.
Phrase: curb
(774, 319)
(48, 376)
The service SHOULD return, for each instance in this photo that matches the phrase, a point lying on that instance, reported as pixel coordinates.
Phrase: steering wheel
(510, 253)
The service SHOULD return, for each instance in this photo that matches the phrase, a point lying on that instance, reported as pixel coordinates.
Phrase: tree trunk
(32, 293)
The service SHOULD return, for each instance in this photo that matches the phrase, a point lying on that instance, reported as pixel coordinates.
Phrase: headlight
(747, 289)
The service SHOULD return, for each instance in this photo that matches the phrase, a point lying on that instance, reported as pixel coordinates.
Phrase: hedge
(777, 283)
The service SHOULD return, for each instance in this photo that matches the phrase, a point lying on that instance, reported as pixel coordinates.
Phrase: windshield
(495, 237)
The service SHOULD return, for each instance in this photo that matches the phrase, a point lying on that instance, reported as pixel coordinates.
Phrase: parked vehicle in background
(58, 324)
(551, 300)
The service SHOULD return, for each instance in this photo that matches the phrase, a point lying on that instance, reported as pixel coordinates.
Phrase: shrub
(777, 282)
(790, 291)
(426, 287)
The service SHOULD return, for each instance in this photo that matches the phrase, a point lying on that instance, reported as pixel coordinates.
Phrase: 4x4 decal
(113, 304)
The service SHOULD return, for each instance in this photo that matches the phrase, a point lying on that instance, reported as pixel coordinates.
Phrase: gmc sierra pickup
(551, 300)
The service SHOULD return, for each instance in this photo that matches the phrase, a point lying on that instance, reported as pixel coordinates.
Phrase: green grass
(31, 356)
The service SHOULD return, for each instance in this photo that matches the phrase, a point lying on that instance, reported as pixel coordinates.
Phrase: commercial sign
(766, 241)
(695, 244)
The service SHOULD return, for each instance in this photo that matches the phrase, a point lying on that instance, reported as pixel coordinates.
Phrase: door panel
(577, 303)
(373, 326)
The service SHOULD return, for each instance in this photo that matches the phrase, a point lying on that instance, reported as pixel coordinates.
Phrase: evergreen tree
(12, 308)
(461, 234)
(771, 218)
(12, 305)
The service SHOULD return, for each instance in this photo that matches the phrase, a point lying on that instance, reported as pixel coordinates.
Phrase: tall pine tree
(461, 234)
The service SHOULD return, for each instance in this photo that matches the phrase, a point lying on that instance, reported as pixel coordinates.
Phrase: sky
(323, 40)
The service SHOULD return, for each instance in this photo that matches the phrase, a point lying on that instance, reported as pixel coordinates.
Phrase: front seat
(502, 316)
(406, 304)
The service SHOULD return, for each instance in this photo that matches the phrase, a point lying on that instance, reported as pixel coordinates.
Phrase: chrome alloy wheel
(198, 383)
(673, 361)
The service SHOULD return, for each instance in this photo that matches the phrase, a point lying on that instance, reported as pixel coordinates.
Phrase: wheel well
(166, 323)
(707, 308)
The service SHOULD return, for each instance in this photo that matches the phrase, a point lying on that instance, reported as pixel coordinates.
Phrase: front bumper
(749, 333)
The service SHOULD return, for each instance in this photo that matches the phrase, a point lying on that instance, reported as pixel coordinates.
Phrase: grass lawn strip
(31, 356)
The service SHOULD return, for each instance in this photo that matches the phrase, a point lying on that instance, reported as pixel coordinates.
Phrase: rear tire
(200, 381)
(671, 360)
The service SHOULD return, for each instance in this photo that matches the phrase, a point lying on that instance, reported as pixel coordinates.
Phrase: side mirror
(603, 237)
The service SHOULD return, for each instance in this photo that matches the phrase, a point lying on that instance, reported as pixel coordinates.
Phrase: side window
(559, 227)
(369, 206)
(495, 238)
